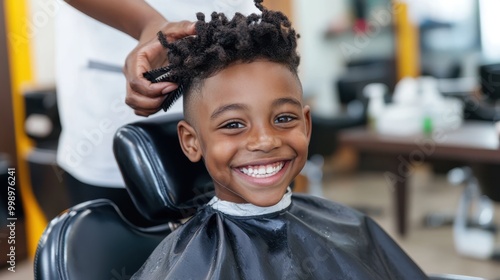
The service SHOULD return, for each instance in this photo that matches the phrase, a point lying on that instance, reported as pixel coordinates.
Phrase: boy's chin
(266, 200)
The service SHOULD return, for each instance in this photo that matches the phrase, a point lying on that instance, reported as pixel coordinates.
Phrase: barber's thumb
(191, 28)
(168, 89)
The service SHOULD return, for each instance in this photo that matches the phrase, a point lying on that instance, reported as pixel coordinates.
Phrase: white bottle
(376, 104)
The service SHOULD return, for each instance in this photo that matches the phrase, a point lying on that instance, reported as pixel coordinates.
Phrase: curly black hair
(222, 42)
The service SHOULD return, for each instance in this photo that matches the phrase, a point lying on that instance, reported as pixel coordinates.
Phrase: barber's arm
(141, 21)
(129, 16)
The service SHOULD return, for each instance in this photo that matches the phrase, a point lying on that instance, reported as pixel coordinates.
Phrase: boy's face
(251, 128)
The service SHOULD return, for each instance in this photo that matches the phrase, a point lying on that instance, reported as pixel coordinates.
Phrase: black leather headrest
(490, 80)
(162, 182)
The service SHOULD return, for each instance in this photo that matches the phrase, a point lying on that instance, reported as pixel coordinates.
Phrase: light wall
(321, 61)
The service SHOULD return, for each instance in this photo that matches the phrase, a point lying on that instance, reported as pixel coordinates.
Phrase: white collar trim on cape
(248, 209)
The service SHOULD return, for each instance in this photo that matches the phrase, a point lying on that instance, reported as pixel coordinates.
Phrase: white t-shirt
(91, 88)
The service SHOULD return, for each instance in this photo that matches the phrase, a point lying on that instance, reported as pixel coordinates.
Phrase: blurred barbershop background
(405, 100)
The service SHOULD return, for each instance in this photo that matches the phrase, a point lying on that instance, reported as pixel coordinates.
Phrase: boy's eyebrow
(229, 107)
(286, 100)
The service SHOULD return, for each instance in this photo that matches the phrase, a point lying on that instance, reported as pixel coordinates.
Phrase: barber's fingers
(143, 105)
(178, 30)
(144, 87)
(143, 58)
(142, 95)
(147, 100)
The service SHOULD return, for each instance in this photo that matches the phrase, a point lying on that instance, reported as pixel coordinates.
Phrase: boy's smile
(251, 128)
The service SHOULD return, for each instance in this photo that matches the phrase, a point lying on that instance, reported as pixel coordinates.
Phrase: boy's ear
(189, 141)
(308, 121)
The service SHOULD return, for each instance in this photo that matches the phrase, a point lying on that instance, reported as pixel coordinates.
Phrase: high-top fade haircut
(222, 42)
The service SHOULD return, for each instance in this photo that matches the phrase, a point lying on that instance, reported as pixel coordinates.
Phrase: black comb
(164, 75)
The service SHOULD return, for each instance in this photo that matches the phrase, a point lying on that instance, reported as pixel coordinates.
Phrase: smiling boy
(246, 119)
(251, 128)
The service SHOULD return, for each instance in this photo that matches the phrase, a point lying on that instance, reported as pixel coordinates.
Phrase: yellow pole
(19, 34)
(407, 42)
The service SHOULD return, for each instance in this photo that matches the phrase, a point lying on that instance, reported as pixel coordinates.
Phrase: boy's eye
(233, 125)
(284, 119)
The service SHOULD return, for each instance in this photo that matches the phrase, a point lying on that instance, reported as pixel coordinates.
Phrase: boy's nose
(264, 140)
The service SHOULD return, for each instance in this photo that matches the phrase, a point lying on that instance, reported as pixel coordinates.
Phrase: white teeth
(269, 169)
(262, 171)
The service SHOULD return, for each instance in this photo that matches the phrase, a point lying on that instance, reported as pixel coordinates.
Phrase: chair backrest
(325, 129)
(162, 182)
(93, 241)
(488, 177)
(490, 81)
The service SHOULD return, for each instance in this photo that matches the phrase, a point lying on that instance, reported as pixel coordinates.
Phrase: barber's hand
(142, 95)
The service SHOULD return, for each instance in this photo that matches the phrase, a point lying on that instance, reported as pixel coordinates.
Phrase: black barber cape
(303, 237)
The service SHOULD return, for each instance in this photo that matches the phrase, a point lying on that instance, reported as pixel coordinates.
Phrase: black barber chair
(485, 107)
(94, 241)
(488, 110)
(361, 73)
(475, 234)
(325, 129)
(324, 142)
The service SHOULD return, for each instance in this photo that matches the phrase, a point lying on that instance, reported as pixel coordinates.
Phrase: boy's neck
(247, 209)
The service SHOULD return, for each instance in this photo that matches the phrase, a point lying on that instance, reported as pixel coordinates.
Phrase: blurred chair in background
(324, 143)
(474, 229)
(361, 73)
(42, 126)
(485, 176)
(324, 137)
(484, 105)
